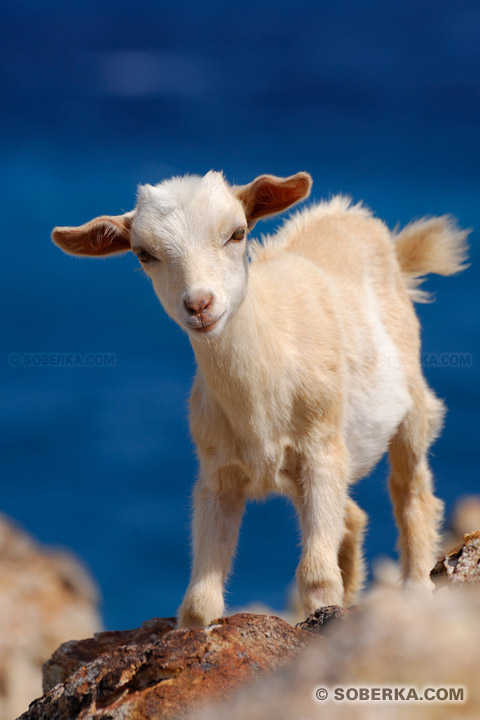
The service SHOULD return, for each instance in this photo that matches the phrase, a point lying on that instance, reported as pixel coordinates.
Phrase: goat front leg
(321, 508)
(216, 520)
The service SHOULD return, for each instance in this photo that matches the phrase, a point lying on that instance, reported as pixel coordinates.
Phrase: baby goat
(308, 357)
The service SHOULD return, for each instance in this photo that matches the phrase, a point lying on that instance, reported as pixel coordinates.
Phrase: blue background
(377, 100)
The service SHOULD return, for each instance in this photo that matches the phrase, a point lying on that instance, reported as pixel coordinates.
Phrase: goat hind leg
(350, 555)
(417, 511)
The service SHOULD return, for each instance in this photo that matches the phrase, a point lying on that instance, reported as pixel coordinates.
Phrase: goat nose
(198, 303)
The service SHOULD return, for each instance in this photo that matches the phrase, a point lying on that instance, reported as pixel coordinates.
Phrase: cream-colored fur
(308, 356)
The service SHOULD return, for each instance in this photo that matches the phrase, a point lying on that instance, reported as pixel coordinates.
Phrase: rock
(318, 620)
(396, 641)
(72, 655)
(46, 598)
(461, 565)
(158, 671)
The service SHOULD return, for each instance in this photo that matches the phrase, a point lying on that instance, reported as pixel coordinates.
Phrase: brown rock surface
(317, 621)
(70, 656)
(46, 598)
(160, 672)
(461, 565)
(396, 641)
(157, 671)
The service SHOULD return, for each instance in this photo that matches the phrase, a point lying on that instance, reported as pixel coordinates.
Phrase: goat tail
(430, 245)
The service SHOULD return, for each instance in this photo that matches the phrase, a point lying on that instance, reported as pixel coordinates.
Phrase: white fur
(375, 409)
(174, 221)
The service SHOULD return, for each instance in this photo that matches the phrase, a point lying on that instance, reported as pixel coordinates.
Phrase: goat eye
(143, 255)
(238, 235)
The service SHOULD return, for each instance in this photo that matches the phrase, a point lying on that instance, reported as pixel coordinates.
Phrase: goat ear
(102, 236)
(269, 195)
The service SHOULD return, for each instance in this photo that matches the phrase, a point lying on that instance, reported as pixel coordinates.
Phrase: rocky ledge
(157, 671)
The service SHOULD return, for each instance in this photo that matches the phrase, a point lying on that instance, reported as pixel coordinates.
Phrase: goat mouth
(209, 327)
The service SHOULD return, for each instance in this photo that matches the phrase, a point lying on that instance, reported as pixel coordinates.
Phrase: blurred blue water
(381, 102)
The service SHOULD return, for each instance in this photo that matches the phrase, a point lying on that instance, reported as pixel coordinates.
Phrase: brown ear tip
(306, 181)
(60, 236)
(304, 175)
(57, 235)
